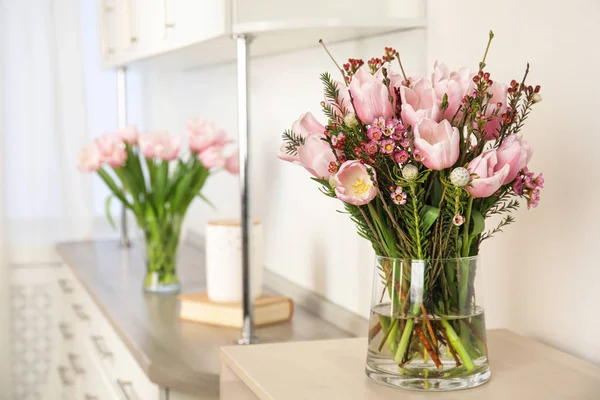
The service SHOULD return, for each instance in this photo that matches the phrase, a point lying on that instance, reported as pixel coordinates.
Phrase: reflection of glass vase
(427, 325)
(159, 242)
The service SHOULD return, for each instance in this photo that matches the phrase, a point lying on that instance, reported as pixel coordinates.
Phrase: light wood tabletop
(334, 369)
(175, 354)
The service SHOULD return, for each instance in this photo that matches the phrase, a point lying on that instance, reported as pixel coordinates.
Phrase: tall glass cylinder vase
(427, 325)
(158, 241)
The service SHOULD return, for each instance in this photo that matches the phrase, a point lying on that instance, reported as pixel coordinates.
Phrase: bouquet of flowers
(146, 173)
(420, 164)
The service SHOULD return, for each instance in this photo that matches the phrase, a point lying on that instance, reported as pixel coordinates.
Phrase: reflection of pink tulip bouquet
(146, 173)
(420, 163)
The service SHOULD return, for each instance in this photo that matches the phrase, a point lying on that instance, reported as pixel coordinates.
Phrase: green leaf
(162, 175)
(108, 213)
(207, 201)
(113, 186)
(323, 182)
(430, 214)
(478, 222)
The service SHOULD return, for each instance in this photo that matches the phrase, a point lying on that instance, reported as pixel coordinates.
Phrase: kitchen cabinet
(200, 31)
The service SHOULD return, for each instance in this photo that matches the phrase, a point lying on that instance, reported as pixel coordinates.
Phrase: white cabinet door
(190, 21)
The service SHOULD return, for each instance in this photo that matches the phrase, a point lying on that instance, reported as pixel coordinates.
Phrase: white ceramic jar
(224, 260)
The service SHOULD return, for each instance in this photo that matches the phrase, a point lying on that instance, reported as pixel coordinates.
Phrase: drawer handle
(64, 286)
(127, 389)
(78, 308)
(99, 343)
(64, 331)
(63, 374)
(73, 359)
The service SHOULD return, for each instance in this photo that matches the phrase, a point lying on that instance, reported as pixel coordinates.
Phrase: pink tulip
(160, 145)
(303, 126)
(419, 102)
(456, 85)
(499, 92)
(204, 134)
(353, 184)
(488, 174)
(89, 159)
(315, 155)
(212, 157)
(438, 143)
(129, 134)
(516, 153)
(232, 163)
(371, 97)
(343, 101)
(112, 150)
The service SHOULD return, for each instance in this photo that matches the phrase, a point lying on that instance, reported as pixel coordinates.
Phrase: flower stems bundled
(420, 164)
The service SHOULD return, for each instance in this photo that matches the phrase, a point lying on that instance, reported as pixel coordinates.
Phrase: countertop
(177, 355)
(334, 369)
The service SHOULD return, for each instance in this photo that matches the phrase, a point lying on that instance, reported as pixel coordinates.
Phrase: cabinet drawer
(120, 366)
(95, 385)
(101, 347)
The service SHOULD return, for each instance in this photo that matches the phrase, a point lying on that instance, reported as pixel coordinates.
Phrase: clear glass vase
(427, 325)
(158, 240)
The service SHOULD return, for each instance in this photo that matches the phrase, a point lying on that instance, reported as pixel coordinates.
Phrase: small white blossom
(332, 181)
(536, 98)
(410, 172)
(350, 120)
(460, 177)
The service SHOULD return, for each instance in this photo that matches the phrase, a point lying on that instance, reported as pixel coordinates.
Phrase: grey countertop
(178, 355)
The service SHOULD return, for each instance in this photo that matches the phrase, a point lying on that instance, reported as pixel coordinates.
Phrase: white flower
(460, 177)
(350, 120)
(410, 172)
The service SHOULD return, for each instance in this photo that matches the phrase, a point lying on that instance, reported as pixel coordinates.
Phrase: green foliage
(332, 93)
(478, 224)
(292, 142)
(152, 190)
(108, 213)
(504, 204)
(507, 220)
(430, 215)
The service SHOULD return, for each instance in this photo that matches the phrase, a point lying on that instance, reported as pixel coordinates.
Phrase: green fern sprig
(332, 93)
(503, 207)
(507, 220)
(292, 141)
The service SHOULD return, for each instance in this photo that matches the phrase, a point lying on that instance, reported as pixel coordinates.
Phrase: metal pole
(122, 123)
(242, 76)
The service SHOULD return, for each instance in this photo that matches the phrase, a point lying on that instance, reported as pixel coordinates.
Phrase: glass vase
(159, 244)
(427, 325)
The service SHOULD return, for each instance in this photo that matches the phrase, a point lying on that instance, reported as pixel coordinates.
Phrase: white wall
(542, 274)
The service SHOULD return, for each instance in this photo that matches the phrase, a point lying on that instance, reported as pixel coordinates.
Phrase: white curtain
(56, 98)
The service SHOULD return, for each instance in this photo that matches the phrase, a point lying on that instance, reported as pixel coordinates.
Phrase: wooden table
(334, 369)
(176, 355)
